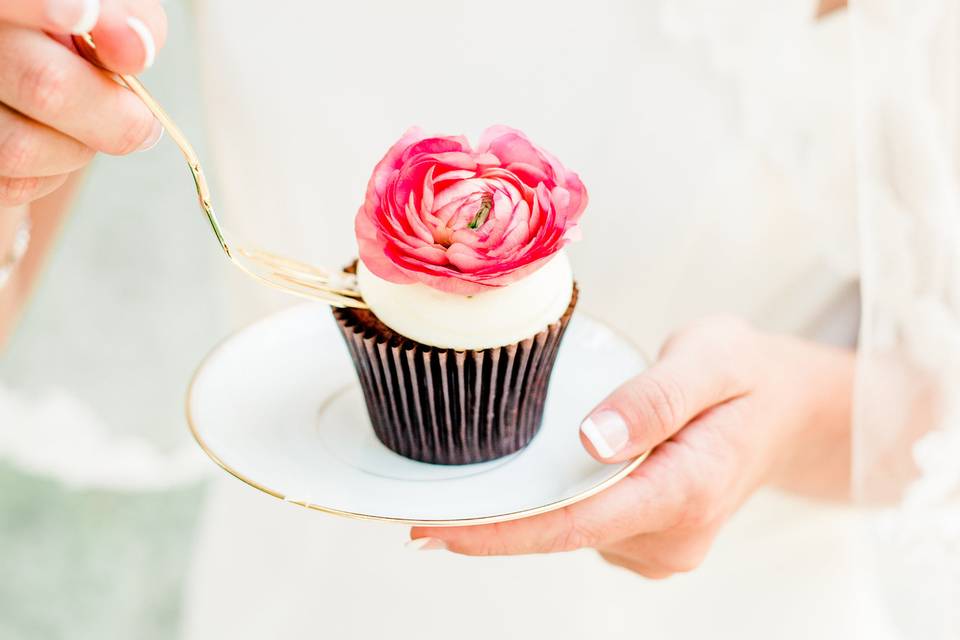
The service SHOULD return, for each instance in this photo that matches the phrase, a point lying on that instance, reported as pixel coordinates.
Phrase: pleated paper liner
(446, 406)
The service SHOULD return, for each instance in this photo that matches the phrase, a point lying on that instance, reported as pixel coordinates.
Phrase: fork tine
(287, 263)
(314, 287)
(308, 277)
(300, 274)
(298, 288)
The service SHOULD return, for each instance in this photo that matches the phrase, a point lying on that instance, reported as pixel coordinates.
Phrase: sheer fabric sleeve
(907, 409)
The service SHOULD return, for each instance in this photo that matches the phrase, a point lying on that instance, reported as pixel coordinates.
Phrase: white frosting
(493, 318)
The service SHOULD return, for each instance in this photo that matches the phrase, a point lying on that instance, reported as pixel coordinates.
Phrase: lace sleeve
(907, 416)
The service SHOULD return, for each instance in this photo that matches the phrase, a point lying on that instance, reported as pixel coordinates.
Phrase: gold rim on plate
(454, 522)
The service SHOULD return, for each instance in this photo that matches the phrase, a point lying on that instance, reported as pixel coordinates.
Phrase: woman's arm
(46, 216)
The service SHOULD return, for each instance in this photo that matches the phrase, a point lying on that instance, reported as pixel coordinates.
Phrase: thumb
(56, 16)
(691, 376)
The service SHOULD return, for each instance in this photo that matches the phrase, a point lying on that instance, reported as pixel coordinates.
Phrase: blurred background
(100, 484)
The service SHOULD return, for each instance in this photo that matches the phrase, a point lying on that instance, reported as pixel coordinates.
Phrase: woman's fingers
(55, 16)
(647, 500)
(17, 191)
(689, 483)
(57, 109)
(696, 371)
(30, 149)
(47, 83)
(129, 34)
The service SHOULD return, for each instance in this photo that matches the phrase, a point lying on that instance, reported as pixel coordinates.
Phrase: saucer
(278, 406)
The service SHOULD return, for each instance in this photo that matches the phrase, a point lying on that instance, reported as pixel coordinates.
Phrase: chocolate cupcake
(449, 406)
(468, 293)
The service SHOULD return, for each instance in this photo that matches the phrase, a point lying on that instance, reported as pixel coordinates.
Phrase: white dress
(712, 190)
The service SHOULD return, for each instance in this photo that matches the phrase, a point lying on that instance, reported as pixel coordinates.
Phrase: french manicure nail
(426, 544)
(607, 432)
(146, 39)
(154, 138)
(74, 16)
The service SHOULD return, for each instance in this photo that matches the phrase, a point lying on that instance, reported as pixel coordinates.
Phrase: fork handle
(88, 50)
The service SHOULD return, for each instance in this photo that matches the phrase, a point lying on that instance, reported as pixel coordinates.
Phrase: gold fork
(292, 276)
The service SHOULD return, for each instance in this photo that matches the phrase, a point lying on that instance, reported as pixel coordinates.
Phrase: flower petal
(419, 221)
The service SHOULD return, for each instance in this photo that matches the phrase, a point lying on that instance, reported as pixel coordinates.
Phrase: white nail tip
(150, 144)
(88, 19)
(146, 38)
(425, 544)
(594, 435)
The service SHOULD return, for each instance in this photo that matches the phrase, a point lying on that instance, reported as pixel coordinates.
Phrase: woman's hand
(726, 409)
(56, 109)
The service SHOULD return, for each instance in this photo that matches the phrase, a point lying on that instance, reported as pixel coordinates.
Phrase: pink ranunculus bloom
(463, 220)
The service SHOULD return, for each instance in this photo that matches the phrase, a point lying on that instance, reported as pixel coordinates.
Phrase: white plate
(278, 406)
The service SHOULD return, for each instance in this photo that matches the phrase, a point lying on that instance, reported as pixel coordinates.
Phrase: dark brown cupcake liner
(446, 406)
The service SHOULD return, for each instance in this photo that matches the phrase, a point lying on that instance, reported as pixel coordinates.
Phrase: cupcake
(468, 289)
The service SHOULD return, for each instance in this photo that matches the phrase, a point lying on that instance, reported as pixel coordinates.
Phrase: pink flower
(464, 220)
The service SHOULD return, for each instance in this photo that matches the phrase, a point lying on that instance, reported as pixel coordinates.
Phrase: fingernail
(73, 16)
(426, 544)
(154, 138)
(607, 432)
(146, 39)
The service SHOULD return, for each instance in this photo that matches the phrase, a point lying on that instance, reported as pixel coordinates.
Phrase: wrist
(816, 454)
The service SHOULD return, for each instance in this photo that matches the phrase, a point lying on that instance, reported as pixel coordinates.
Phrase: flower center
(486, 203)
